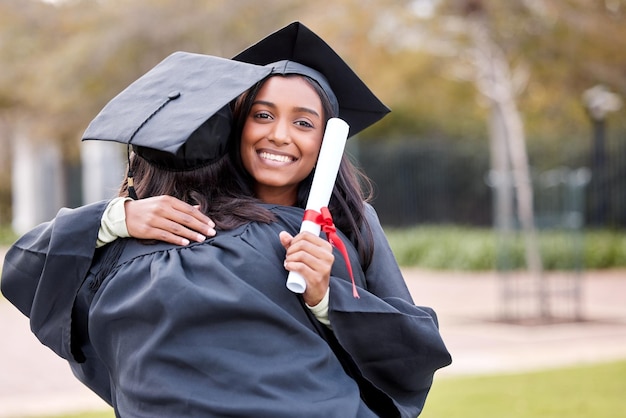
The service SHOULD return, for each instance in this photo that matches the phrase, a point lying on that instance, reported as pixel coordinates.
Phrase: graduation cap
(295, 49)
(176, 116)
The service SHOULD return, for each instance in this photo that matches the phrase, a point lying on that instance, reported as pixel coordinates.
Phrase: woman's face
(281, 137)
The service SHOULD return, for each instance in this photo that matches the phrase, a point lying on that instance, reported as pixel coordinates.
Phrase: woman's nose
(279, 133)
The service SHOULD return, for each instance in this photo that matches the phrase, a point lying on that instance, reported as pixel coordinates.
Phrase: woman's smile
(272, 157)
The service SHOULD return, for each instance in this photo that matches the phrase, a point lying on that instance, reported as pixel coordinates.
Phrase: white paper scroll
(333, 145)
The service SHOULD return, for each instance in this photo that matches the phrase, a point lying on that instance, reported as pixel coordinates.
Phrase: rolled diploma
(333, 145)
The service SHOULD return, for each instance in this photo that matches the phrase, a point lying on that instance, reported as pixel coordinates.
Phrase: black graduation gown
(211, 330)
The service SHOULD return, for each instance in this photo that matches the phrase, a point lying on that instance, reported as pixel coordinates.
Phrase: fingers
(168, 219)
(312, 257)
(307, 248)
(186, 216)
(285, 239)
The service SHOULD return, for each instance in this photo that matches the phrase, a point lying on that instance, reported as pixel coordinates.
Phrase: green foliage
(605, 249)
(450, 247)
(84, 52)
(480, 249)
(443, 247)
(7, 236)
(585, 391)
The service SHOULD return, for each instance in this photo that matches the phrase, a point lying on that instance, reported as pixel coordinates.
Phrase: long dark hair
(352, 187)
(216, 187)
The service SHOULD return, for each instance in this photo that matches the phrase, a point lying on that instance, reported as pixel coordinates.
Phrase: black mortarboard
(295, 47)
(176, 115)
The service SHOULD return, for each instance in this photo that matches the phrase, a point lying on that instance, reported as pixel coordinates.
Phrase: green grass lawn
(594, 391)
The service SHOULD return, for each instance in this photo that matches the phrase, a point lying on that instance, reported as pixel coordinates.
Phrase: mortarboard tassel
(130, 183)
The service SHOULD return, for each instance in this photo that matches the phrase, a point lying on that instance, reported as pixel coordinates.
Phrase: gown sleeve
(395, 345)
(44, 269)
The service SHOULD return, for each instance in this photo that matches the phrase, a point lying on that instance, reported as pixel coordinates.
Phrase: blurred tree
(83, 51)
(61, 62)
(68, 59)
(564, 47)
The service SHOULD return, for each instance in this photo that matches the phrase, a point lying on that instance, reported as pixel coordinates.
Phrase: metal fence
(418, 181)
(429, 182)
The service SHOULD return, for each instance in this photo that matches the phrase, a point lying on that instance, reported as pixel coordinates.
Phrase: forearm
(113, 222)
(321, 310)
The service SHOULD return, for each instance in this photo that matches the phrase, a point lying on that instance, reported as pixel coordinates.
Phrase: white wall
(37, 182)
(103, 169)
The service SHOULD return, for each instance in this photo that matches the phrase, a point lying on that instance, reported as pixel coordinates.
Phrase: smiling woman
(281, 137)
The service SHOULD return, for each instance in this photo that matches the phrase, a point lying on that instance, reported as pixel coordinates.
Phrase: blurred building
(41, 183)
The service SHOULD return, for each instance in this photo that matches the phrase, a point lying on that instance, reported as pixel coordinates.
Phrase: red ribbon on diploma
(325, 221)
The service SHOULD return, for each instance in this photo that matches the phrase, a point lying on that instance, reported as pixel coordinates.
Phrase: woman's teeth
(274, 157)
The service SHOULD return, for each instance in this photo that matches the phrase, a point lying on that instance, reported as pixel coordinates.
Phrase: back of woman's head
(216, 188)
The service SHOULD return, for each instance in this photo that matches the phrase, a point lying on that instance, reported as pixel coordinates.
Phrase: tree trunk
(524, 191)
(495, 81)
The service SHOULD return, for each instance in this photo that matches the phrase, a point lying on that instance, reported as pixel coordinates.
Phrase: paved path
(34, 381)
(469, 307)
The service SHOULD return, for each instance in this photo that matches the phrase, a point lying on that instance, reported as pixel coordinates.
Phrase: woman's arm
(394, 344)
(44, 269)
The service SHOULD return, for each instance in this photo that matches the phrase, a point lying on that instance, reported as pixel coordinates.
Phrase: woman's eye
(262, 115)
(304, 124)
